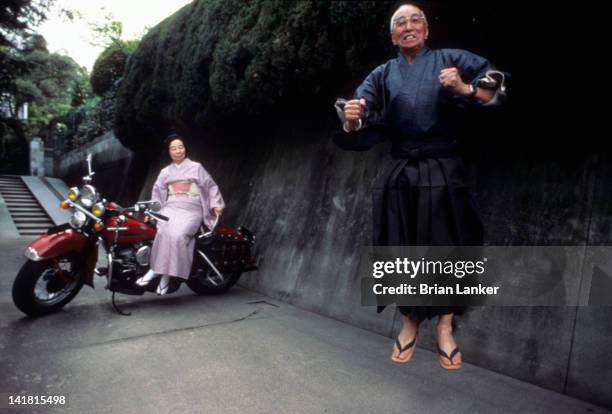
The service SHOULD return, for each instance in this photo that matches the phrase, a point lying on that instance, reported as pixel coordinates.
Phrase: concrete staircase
(27, 214)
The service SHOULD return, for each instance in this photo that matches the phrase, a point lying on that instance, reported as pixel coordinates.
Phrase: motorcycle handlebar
(158, 216)
(146, 211)
(211, 231)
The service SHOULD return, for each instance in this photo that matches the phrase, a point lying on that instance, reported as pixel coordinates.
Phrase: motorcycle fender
(61, 240)
(55, 243)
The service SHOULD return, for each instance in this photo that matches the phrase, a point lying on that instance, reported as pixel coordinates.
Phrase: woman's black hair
(171, 138)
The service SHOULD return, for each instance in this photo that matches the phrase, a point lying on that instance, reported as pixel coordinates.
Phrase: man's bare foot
(449, 358)
(405, 343)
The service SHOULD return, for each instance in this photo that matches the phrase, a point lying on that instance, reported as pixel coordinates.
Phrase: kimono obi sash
(414, 151)
(183, 189)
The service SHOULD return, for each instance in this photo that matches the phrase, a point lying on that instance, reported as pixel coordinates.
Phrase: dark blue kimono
(423, 196)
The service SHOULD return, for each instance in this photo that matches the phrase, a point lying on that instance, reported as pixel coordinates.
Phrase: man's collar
(422, 51)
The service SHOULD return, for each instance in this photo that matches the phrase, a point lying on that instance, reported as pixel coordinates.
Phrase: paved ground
(238, 353)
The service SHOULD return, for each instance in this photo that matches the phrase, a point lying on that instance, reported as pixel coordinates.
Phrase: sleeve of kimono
(479, 72)
(209, 189)
(370, 134)
(160, 192)
(371, 89)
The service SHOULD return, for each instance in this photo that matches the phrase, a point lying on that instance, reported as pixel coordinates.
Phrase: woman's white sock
(164, 282)
(143, 281)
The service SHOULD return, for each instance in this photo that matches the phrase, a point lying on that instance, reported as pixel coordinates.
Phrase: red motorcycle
(63, 259)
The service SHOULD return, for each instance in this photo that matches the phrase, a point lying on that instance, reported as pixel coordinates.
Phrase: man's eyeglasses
(414, 20)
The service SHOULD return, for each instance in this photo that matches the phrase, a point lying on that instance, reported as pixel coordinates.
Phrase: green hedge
(109, 66)
(218, 64)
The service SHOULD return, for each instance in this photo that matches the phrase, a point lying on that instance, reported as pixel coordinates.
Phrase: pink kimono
(187, 194)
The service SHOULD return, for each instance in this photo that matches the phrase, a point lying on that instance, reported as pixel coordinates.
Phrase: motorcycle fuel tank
(132, 230)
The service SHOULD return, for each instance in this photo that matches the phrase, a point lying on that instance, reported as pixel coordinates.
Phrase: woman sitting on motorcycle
(189, 196)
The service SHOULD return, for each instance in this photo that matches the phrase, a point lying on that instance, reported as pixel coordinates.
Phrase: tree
(97, 116)
(52, 86)
(21, 15)
(17, 18)
(108, 32)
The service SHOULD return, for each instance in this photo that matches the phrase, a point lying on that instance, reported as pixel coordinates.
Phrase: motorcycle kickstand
(119, 311)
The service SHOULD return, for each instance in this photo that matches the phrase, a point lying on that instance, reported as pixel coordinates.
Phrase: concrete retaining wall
(119, 172)
(309, 204)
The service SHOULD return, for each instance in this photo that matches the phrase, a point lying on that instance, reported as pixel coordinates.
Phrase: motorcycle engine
(133, 258)
(143, 254)
(129, 263)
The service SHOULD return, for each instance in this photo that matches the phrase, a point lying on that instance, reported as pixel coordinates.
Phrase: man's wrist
(470, 91)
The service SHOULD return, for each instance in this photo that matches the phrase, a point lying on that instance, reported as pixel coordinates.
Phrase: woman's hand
(218, 211)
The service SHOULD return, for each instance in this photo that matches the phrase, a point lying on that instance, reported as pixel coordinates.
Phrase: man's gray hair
(392, 22)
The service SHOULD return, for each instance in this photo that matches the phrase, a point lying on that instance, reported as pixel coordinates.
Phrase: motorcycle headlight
(78, 219)
(88, 196)
(98, 210)
(32, 254)
(73, 194)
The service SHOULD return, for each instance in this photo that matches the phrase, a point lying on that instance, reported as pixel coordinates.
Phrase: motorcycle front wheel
(47, 286)
(207, 282)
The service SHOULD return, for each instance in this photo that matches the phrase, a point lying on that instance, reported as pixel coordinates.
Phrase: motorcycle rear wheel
(204, 284)
(44, 287)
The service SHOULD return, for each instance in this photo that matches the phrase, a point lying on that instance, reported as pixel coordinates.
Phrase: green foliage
(17, 17)
(81, 87)
(20, 15)
(74, 120)
(98, 119)
(16, 20)
(216, 64)
(51, 87)
(108, 32)
(110, 65)
(104, 80)
(50, 83)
